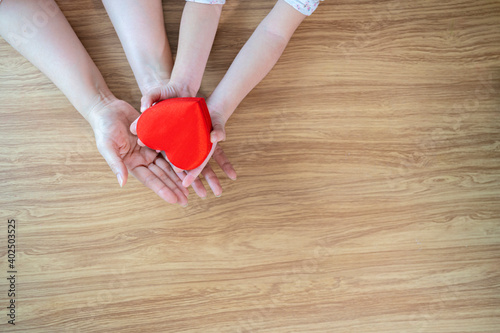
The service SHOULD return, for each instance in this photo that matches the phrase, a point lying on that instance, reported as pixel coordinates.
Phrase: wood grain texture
(367, 198)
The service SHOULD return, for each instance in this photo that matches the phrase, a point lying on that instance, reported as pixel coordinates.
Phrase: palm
(120, 149)
(114, 131)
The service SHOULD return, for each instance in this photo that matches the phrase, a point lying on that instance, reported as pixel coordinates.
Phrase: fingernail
(143, 109)
(218, 196)
(184, 206)
(212, 138)
(120, 179)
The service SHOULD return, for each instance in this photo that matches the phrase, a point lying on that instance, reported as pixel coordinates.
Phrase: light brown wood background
(367, 198)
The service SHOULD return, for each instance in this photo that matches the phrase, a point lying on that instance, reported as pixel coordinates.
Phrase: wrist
(185, 90)
(184, 87)
(157, 76)
(218, 109)
(98, 102)
(152, 76)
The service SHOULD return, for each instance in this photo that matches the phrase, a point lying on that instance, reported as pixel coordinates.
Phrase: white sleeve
(210, 2)
(306, 7)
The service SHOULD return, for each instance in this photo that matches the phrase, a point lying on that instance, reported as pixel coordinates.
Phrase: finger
(148, 178)
(150, 98)
(133, 127)
(181, 198)
(218, 133)
(223, 162)
(176, 169)
(172, 175)
(110, 154)
(197, 185)
(212, 180)
(193, 174)
(199, 188)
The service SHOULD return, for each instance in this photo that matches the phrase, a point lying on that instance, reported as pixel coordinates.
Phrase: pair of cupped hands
(114, 124)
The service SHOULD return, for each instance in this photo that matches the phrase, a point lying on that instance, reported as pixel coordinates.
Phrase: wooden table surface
(367, 198)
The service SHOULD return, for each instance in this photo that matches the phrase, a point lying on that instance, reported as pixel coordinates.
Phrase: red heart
(179, 126)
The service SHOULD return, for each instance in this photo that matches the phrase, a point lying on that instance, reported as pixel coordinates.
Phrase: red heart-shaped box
(179, 126)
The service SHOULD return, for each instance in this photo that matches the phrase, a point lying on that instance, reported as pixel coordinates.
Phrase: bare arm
(257, 57)
(40, 32)
(196, 36)
(141, 29)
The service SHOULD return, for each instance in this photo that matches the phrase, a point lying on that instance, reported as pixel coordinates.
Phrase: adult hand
(110, 119)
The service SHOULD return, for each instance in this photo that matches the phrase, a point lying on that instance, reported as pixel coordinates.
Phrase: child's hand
(208, 173)
(157, 92)
(161, 90)
(218, 134)
(168, 89)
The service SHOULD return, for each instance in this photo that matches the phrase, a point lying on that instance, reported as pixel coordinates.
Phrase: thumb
(133, 127)
(155, 95)
(218, 133)
(148, 99)
(110, 154)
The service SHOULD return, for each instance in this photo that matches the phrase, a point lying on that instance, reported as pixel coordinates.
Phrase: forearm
(197, 32)
(40, 32)
(257, 57)
(140, 27)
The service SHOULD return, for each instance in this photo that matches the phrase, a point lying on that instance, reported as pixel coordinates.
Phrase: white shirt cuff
(306, 7)
(209, 2)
